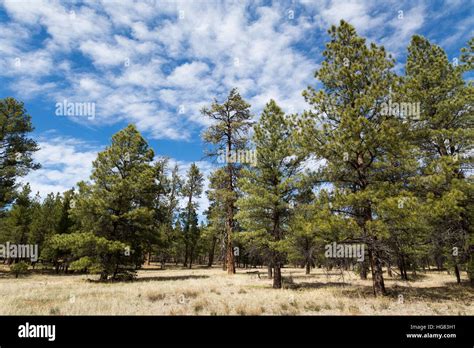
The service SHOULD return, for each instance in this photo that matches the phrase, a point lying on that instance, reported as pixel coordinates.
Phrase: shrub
(19, 268)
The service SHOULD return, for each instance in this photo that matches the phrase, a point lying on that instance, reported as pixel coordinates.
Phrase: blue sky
(156, 63)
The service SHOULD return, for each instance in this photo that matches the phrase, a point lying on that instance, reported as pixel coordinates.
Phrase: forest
(374, 178)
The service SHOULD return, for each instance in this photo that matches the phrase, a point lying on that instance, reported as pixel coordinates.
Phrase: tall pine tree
(118, 204)
(191, 191)
(444, 135)
(271, 185)
(228, 134)
(16, 148)
(362, 144)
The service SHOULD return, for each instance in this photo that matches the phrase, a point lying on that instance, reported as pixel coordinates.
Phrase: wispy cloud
(65, 162)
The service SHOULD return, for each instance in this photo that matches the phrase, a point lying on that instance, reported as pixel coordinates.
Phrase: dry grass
(213, 292)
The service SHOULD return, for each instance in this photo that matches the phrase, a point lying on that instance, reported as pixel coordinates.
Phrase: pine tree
(212, 232)
(16, 227)
(66, 222)
(228, 135)
(168, 236)
(363, 145)
(191, 190)
(216, 215)
(118, 204)
(160, 218)
(271, 186)
(444, 135)
(46, 219)
(16, 148)
(302, 241)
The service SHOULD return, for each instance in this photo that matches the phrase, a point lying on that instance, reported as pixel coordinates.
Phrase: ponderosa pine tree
(191, 191)
(228, 135)
(467, 56)
(45, 219)
(16, 225)
(66, 222)
(270, 186)
(216, 214)
(117, 206)
(444, 135)
(211, 233)
(16, 148)
(302, 243)
(362, 145)
(169, 237)
(160, 216)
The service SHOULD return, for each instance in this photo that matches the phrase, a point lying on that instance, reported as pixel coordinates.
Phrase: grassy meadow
(210, 291)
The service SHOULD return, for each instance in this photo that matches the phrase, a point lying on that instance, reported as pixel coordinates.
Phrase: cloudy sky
(156, 63)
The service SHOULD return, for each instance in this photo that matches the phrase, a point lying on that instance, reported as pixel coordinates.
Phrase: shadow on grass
(307, 285)
(147, 279)
(411, 277)
(451, 291)
(173, 268)
(315, 275)
(165, 278)
(461, 292)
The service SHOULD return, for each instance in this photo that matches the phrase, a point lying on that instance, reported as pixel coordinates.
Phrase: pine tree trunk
(277, 276)
(191, 252)
(270, 272)
(230, 259)
(456, 271)
(439, 263)
(230, 210)
(230, 251)
(224, 260)
(405, 274)
(115, 271)
(403, 268)
(211, 252)
(400, 267)
(104, 276)
(363, 270)
(377, 275)
(470, 267)
(308, 267)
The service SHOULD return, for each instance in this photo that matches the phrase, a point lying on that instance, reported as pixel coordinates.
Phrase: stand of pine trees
(394, 173)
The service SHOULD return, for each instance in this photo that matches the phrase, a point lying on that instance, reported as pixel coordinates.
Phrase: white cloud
(173, 61)
(404, 27)
(66, 24)
(64, 161)
(188, 74)
(356, 12)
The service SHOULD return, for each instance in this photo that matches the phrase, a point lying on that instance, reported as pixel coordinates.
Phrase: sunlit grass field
(210, 291)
